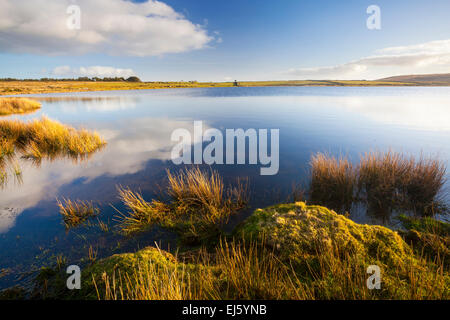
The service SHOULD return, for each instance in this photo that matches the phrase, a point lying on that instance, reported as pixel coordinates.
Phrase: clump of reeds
(202, 195)
(17, 106)
(141, 213)
(75, 213)
(333, 182)
(198, 204)
(385, 181)
(394, 181)
(424, 182)
(382, 178)
(45, 138)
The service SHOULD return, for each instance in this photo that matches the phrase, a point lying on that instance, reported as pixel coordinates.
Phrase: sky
(213, 40)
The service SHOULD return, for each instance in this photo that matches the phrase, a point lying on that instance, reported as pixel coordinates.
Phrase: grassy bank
(17, 106)
(287, 251)
(36, 87)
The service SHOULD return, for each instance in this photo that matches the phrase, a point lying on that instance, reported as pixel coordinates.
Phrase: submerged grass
(10, 106)
(75, 213)
(199, 205)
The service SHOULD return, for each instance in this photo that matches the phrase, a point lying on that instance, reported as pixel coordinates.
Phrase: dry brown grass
(333, 181)
(385, 181)
(382, 179)
(424, 183)
(17, 106)
(392, 180)
(75, 213)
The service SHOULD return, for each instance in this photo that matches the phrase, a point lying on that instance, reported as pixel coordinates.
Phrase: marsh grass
(382, 179)
(76, 213)
(424, 182)
(42, 139)
(199, 205)
(236, 270)
(45, 138)
(233, 271)
(333, 182)
(10, 106)
(385, 181)
(392, 180)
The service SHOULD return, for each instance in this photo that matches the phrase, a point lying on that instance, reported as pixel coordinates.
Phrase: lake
(138, 125)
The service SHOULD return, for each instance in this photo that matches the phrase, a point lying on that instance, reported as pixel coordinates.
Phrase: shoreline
(14, 88)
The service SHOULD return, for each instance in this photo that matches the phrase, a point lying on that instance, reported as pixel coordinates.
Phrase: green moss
(326, 252)
(331, 253)
(428, 237)
(297, 231)
(122, 264)
(426, 224)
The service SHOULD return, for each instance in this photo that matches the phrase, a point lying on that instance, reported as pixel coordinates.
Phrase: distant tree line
(94, 79)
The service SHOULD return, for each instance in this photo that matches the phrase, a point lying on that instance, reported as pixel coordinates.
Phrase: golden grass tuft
(45, 138)
(75, 213)
(384, 180)
(333, 181)
(199, 204)
(10, 106)
(392, 180)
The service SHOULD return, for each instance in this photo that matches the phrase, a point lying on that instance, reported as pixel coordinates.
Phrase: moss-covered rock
(50, 283)
(120, 265)
(297, 231)
(330, 254)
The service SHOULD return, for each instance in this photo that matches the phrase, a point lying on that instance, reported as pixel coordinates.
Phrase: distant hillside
(425, 79)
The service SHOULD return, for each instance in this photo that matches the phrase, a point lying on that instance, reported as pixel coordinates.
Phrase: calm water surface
(138, 125)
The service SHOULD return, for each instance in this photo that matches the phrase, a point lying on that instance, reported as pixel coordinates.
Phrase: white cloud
(116, 27)
(430, 57)
(93, 71)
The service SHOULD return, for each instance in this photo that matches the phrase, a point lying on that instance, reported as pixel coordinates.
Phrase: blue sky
(223, 40)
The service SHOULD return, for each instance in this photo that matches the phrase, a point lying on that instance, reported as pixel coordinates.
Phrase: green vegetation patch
(297, 231)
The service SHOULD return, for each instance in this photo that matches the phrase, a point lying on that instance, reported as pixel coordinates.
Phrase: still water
(138, 125)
